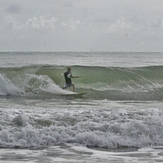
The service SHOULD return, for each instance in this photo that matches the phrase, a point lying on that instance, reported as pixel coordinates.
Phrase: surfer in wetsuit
(68, 75)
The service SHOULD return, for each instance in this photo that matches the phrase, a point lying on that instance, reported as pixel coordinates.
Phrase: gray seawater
(119, 119)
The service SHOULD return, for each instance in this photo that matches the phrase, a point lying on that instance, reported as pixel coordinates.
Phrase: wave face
(113, 83)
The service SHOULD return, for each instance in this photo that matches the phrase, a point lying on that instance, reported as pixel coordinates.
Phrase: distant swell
(114, 83)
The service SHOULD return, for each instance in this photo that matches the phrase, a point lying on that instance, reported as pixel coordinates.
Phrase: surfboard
(80, 93)
(75, 94)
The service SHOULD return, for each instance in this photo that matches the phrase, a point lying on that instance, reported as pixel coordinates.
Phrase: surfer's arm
(76, 76)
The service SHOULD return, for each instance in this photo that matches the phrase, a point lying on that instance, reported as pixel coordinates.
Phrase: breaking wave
(99, 128)
(114, 83)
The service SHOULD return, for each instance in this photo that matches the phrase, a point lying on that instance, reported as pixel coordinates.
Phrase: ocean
(119, 118)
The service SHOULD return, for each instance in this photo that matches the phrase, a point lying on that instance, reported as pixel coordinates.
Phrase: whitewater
(118, 119)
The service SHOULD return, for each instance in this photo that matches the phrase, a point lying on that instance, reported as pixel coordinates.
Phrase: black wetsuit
(68, 76)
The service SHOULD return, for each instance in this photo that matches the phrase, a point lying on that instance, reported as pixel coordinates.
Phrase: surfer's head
(69, 69)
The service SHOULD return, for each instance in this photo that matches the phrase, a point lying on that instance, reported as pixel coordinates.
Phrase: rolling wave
(114, 83)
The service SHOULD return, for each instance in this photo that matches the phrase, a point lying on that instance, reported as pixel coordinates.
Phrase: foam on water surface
(71, 153)
(100, 124)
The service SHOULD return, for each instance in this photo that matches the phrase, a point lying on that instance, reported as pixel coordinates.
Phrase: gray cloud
(128, 25)
(13, 8)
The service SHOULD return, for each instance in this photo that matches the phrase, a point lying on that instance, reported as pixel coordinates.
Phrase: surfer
(68, 75)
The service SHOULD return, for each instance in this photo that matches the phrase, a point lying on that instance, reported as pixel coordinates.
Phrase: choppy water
(119, 118)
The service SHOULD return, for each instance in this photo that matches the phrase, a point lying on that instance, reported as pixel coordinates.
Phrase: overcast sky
(81, 25)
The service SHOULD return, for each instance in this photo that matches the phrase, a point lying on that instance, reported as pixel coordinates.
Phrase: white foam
(21, 120)
(38, 84)
(95, 124)
(99, 128)
(7, 87)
